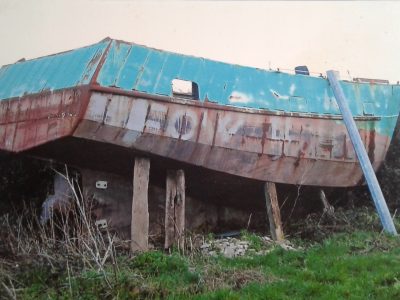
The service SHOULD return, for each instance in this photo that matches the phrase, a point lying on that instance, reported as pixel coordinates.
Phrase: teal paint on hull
(55, 72)
(134, 67)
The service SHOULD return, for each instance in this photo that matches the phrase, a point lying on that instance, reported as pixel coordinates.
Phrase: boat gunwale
(215, 105)
(197, 103)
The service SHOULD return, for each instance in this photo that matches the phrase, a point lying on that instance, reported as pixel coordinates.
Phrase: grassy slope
(346, 266)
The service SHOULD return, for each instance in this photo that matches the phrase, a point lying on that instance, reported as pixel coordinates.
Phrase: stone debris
(234, 247)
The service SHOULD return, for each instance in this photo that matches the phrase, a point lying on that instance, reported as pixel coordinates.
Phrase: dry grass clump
(317, 227)
(69, 241)
(215, 278)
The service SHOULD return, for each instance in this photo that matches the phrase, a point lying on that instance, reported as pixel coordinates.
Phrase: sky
(359, 39)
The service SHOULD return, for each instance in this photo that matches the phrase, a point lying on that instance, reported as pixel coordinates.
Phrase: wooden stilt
(175, 209)
(274, 215)
(180, 209)
(170, 209)
(140, 210)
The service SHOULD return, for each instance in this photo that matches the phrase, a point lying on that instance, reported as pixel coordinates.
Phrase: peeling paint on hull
(286, 149)
(295, 150)
(34, 120)
(260, 125)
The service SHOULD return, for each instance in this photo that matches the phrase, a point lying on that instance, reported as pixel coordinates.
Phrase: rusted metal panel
(265, 147)
(33, 120)
(369, 80)
(253, 123)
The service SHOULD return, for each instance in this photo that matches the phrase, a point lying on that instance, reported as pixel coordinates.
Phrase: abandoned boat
(258, 124)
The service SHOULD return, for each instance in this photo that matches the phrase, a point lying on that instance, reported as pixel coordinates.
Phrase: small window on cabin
(185, 89)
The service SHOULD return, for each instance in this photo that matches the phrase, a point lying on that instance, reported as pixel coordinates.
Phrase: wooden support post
(274, 215)
(170, 209)
(180, 209)
(140, 209)
(175, 209)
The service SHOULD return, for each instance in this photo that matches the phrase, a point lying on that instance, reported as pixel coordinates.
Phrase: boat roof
(129, 66)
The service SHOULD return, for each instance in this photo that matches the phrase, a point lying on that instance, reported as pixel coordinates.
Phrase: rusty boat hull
(301, 144)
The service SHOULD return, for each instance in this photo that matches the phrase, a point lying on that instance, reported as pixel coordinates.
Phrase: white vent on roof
(185, 89)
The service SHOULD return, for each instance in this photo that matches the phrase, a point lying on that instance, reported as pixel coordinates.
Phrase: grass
(73, 259)
(362, 265)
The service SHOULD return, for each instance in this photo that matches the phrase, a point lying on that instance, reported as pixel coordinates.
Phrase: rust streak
(165, 123)
(265, 128)
(16, 127)
(182, 126)
(84, 96)
(105, 111)
(140, 74)
(215, 129)
(6, 119)
(123, 64)
(199, 126)
(93, 81)
(129, 114)
(147, 116)
(371, 146)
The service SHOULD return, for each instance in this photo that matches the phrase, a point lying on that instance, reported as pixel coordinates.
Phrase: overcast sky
(362, 38)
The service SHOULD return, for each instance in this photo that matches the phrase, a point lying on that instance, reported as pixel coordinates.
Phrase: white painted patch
(154, 125)
(159, 107)
(137, 115)
(239, 97)
(276, 131)
(292, 89)
(117, 111)
(204, 121)
(96, 107)
(278, 96)
(227, 127)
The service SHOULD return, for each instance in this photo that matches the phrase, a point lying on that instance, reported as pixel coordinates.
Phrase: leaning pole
(366, 166)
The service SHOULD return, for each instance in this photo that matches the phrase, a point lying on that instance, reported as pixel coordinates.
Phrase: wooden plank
(180, 209)
(140, 209)
(170, 209)
(175, 209)
(274, 215)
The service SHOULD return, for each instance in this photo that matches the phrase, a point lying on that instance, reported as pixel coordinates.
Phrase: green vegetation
(362, 265)
(340, 257)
